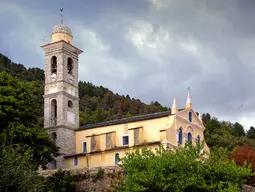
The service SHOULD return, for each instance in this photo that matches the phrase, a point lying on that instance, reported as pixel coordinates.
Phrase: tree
(185, 169)
(238, 130)
(16, 173)
(251, 133)
(206, 118)
(61, 181)
(19, 122)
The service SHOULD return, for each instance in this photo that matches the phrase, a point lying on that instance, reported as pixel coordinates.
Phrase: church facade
(102, 144)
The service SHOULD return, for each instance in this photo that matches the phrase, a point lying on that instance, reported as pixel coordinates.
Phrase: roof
(127, 120)
(61, 28)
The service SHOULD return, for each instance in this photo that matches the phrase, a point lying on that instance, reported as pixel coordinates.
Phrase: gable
(185, 115)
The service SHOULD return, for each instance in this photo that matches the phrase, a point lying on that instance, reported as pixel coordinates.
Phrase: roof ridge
(126, 120)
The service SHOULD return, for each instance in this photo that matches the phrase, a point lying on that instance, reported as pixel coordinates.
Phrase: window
(70, 66)
(93, 143)
(117, 158)
(125, 140)
(54, 64)
(84, 147)
(75, 161)
(136, 136)
(53, 164)
(53, 112)
(70, 104)
(180, 136)
(108, 140)
(54, 137)
(189, 138)
(198, 139)
(190, 116)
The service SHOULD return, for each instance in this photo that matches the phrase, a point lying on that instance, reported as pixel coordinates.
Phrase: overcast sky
(150, 49)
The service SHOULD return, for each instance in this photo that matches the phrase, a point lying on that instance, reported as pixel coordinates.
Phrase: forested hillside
(96, 102)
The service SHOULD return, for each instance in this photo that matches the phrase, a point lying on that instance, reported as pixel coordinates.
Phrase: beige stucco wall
(164, 129)
(150, 132)
(106, 158)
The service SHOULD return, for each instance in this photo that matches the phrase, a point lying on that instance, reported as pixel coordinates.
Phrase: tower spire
(61, 15)
(188, 102)
(174, 107)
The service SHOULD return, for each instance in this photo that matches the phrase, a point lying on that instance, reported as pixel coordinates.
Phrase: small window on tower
(70, 104)
(53, 64)
(54, 137)
(70, 66)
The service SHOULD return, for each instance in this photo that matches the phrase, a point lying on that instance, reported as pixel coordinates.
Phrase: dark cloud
(150, 49)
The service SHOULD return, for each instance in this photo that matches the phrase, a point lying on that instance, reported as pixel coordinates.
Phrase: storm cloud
(149, 49)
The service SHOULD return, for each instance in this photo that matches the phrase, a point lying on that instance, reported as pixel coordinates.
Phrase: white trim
(122, 139)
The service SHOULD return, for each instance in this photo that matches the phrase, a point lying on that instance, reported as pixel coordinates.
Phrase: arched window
(54, 112)
(70, 66)
(70, 104)
(180, 136)
(54, 64)
(117, 158)
(190, 116)
(189, 138)
(54, 137)
(198, 139)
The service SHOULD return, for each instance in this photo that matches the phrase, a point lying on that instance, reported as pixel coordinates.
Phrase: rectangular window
(136, 136)
(125, 140)
(93, 143)
(108, 140)
(75, 161)
(84, 147)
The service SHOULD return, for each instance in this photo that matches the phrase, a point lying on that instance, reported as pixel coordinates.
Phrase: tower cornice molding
(57, 82)
(60, 45)
(52, 95)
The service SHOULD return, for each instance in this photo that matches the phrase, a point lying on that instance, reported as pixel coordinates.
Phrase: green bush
(185, 169)
(100, 173)
(61, 181)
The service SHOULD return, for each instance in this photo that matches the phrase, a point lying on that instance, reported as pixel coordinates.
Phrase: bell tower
(61, 95)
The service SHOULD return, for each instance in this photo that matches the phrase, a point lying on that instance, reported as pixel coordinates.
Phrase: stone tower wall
(62, 87)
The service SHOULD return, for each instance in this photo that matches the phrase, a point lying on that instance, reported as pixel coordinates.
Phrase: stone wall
(90, 180)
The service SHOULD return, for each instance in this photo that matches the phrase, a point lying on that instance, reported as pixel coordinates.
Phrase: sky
(150, 49)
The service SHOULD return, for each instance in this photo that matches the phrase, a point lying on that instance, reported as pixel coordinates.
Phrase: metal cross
(61, 10)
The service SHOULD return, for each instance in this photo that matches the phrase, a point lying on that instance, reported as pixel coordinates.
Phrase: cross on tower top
(61, 15)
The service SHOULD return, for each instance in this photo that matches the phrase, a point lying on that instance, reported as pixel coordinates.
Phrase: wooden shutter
(108, 140)
(136, 136)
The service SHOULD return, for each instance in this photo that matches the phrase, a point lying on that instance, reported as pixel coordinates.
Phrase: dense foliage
(19, 125)
(185, 169)
(225, 134)
(61, 181)
(16, 172)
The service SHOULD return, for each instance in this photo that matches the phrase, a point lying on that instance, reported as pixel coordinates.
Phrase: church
(103, 144)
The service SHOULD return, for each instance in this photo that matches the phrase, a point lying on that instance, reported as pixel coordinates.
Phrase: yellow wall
(150, 132)
(61, 36)
(164, 129)
(106, 158)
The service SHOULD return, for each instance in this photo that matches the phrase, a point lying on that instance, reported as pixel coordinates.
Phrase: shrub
(100, 173)
(61, 181)
(184, 169)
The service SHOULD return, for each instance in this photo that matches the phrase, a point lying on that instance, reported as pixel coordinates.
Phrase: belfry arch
(53, 64)
(70, 66)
